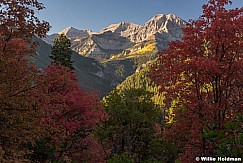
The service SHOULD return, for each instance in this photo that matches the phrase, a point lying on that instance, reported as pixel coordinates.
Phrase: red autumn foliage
(18, 115)
(204, 70)
(71, 113)
(68, 113)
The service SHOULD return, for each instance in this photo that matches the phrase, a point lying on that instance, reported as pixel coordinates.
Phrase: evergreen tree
(132, 131)
(61, 51)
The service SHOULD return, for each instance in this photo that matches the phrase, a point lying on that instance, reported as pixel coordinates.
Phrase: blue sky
(98, 14)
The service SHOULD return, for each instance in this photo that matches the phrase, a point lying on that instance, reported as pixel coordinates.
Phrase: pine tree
(61, 52)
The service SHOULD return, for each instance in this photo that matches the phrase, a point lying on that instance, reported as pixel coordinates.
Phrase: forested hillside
(141, 80)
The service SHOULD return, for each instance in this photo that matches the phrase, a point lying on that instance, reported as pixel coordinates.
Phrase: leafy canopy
(132, 130)
(204, 72)
(18, 105)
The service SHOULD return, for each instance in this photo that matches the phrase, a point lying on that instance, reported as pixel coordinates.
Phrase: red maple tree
(204, 73)
(18, 115)
(71, 114)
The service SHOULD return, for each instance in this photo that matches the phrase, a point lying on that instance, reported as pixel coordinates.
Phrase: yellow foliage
(206, 88)
(170, 118)
(147, 49)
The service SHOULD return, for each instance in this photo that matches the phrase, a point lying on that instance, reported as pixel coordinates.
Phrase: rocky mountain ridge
(73, 33)
(117, 38)
(124, 29)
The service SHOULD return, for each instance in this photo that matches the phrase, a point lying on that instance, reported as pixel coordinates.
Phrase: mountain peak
(73, 33)
(172, 17)
(161, 20)
(163, 17)
(68, 29)
(161, 29)
(120, 27)
(158, 15)
(127, 24)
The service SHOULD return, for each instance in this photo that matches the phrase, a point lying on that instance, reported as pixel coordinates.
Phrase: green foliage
(140, 60)
(232, 142)
(42, 151)
(163, 150)
(132, 117)
(122, 158)
(132, 127)
(61, 52)
(139, 80)
(120, 70)
(228, 142)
